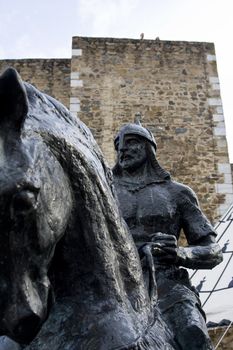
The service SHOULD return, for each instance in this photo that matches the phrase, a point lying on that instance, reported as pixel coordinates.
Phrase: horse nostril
(26, 328)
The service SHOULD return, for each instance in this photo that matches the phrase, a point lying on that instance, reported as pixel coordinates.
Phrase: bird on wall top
(142, 36)
(138, 118)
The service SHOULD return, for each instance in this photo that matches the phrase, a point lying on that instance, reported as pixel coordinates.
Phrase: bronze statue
(156, 208)
(70, 275)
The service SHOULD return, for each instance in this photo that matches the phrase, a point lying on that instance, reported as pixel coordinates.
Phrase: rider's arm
(206, 254)
(202, 252)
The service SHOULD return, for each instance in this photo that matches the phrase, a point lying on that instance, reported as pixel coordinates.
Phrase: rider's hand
(164, 247)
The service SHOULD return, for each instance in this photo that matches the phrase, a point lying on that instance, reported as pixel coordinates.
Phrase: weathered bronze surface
(70, 273)
(156, 208)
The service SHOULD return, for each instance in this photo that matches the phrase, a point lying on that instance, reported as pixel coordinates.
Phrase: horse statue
(70, 273)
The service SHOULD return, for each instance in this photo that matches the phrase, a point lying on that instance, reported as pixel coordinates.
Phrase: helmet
(134, 129)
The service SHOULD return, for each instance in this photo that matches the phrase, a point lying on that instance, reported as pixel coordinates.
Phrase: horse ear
(13, 99)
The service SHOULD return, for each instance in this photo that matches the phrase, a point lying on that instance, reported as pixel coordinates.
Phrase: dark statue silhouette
(156, 208)
(200, 284)
(70, 273)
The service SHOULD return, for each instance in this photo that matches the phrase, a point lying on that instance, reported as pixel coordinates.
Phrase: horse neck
(78, 270)
(82, 268)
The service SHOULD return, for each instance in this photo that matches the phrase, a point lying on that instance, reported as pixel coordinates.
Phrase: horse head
(56, 192)
(35, 202)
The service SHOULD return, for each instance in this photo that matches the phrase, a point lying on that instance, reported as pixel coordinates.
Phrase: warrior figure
(156, 209)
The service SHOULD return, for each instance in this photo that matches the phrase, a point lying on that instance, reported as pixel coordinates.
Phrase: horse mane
(75, 148)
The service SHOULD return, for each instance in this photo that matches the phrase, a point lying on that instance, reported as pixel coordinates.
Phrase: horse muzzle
(23, 329)
(21, 322)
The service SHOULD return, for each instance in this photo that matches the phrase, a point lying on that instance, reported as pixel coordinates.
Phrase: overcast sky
(44, 28)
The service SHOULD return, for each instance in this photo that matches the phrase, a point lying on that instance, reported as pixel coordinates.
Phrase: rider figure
(156, 208)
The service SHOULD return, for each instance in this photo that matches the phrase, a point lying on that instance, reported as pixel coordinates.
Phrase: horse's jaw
(22, 322)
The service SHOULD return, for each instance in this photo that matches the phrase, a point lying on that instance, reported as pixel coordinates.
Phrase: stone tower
(175, 86)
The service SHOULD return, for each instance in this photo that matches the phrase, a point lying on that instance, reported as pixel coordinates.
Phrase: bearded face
(132, 152)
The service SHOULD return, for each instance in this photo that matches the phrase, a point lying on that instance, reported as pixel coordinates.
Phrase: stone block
(221, 124)
(75, 107)
(74, 75)
(229, 199)
(222, 143)
(227, 178)
(77, 52)
(216, 86)
(74, 100)
(224, 188)
(211, 58)
(76, 83)
(214, 80)
(218, 117)
(219, 110)
(214, 101)
(224, 168)
(220, 131)
(180, 130)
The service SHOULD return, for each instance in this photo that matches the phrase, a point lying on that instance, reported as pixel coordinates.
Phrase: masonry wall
(52, 76)
(175, 86)
(216, 335)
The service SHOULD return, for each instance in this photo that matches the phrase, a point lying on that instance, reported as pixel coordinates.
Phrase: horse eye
(24, 201)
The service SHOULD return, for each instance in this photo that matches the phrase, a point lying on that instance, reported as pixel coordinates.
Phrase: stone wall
(227, 341)
(51, 76)
(175, 86)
